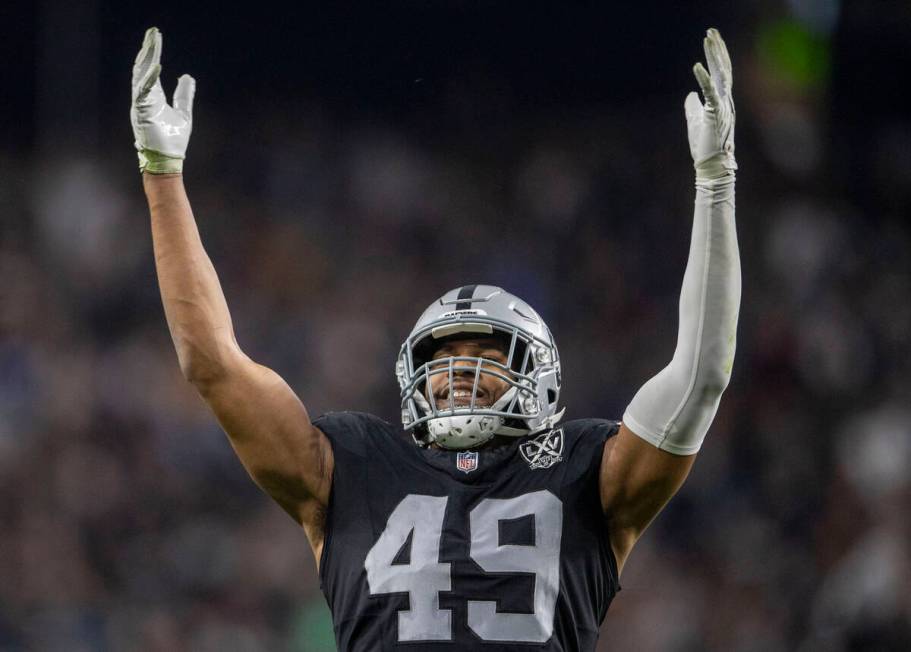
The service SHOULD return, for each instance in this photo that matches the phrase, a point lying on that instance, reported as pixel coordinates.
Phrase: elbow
(202, 368)
(711, 383)
(201, 376)
(714, 367)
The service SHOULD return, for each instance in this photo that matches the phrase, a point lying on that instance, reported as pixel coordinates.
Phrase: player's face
(490, 387)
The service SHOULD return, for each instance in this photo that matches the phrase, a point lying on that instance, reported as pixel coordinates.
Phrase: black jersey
(501, 549)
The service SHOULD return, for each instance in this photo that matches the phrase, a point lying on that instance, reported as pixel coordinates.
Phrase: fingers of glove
(724, 58)
(694, 120)
(705, 84)
(719, 62)
(711, 57)
(147, 83)
(143, 57)
(149, 54)
(183, 96)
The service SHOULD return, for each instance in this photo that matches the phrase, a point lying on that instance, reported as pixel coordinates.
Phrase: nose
(463, 368)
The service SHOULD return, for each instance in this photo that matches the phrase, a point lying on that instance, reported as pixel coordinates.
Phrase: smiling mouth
(461, 397)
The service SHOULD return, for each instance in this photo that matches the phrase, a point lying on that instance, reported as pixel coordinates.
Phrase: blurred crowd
(128, 524)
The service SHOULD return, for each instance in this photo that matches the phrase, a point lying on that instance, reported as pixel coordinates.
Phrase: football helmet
(531, 371)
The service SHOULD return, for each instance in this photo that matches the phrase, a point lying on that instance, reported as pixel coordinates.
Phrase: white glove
(162, 132)
(711, 127)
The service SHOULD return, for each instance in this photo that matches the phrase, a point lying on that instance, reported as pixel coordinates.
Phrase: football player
(493, 523)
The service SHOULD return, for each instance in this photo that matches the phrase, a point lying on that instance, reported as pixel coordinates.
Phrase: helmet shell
(529, 405)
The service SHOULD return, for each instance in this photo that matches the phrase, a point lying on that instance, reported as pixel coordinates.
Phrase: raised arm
(664, 425)
(266, 423)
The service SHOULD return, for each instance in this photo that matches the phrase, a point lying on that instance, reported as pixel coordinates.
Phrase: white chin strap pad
(467, 430)
(463, 431)
(673, 410)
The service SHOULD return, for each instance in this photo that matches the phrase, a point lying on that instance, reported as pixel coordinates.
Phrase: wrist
(157, 163)
(713, 168)
(161, 186)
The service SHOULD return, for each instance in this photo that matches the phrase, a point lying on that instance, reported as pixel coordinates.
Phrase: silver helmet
(531, 370)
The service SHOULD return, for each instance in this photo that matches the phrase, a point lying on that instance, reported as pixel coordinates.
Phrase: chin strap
(547, 424)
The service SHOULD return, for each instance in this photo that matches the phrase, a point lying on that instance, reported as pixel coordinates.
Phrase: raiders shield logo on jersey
(543, 451)
(467, 461)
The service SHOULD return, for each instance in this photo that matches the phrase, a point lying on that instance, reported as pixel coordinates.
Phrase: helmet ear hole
(551, 396)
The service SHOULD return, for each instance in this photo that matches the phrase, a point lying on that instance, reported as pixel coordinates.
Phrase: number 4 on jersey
(420, 517)
(424, 576)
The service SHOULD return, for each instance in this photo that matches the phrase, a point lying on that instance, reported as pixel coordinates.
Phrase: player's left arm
(666, 422)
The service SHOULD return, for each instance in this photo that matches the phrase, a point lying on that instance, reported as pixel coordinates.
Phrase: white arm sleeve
(674, 409)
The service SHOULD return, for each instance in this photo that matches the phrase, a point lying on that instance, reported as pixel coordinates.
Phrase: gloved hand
(710, 127)
(162, 132)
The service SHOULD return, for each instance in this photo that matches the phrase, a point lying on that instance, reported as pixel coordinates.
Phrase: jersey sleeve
(585, 440)
(345, 431)
(352, 436)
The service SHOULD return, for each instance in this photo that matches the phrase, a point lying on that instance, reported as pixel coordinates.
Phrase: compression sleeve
(674, 409)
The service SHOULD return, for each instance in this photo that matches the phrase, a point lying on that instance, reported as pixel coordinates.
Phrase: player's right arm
(266, 423)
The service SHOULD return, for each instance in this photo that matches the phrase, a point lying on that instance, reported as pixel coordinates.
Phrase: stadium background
(351, 162)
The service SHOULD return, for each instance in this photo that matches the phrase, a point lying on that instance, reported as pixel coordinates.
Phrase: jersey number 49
(424, 576)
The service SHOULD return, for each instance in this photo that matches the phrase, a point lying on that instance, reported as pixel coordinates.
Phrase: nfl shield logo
(467, 461)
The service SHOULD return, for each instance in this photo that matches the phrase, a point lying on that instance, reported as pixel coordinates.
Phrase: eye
(494, 354)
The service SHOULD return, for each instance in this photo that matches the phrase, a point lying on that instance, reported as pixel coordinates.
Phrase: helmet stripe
(465, 292)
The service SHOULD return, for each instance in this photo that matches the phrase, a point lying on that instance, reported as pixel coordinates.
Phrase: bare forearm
(194, 303)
